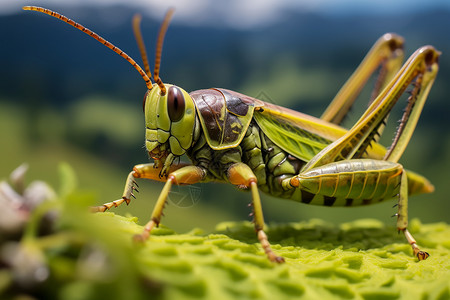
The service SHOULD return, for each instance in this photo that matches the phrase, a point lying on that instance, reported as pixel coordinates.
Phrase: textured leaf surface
(60, 251)
(359, 260)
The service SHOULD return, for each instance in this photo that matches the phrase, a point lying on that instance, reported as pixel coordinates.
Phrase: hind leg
(402, 218)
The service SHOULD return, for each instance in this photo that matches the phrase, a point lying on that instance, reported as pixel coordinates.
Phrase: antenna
(49, 12)
(140, 41)
(159, 45)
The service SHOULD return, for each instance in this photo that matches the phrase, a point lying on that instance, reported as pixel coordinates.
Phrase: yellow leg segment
(130, 187)
(402, 218)
(157, 212)
(185, 175)
(178, 174)
(148, 171)
(387, 53)
(240, 174)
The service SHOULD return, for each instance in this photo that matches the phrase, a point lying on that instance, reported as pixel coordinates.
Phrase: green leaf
(68, 179)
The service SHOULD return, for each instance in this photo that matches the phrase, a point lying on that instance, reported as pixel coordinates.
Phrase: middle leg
(241, 175)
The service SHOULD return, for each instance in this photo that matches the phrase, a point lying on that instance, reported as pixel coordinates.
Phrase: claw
(277, 259)
(422, 255)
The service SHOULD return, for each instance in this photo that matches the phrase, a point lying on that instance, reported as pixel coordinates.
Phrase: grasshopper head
(169, 121)
(169, 110)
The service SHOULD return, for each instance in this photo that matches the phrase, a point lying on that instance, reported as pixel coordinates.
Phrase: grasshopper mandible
(230, 137)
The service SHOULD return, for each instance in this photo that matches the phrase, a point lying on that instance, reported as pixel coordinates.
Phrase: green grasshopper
(233, 138)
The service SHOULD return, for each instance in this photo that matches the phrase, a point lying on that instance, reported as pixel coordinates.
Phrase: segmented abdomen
(348, 183)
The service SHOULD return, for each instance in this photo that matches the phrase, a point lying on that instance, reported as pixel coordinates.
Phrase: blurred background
(65, 97)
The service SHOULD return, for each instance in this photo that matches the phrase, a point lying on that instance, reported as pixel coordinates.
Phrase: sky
(242, 13)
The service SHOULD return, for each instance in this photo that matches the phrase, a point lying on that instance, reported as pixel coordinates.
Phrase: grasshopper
(233, 138)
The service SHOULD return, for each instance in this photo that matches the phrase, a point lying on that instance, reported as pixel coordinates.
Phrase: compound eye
(175, 104)
(145, 98)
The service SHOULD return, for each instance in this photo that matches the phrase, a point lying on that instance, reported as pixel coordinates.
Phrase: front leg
(148, 171)
(241, 175)
(187, 174)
